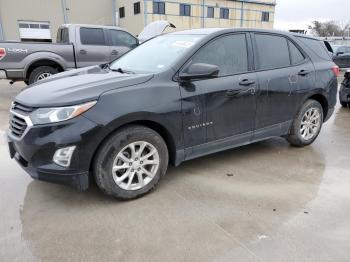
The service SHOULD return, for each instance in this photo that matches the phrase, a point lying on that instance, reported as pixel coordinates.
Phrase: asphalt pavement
(263, 202)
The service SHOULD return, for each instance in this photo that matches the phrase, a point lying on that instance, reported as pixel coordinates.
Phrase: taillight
(336, 70)
(2, 53)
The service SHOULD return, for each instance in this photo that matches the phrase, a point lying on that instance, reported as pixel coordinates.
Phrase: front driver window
(229, 53)
(121, 38)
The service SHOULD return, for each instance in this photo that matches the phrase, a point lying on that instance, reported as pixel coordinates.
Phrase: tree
(330, 28)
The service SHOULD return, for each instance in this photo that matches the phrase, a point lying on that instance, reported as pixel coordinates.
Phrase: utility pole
(203, 24)
(1, 31)
(114, 10)
(64, 11)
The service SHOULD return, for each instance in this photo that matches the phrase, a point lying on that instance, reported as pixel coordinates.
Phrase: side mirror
(200, 71)
(340, 53)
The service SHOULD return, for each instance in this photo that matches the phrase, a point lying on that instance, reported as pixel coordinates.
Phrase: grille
(18, 124)
(22, 108)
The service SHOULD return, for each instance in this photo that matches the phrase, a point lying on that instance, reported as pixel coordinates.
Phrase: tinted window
(121, 38)
(137, 8)
(44, 26)
(272, 51)
(185, 10)
(159, 8)
(121, 12)
(224, 13)
(265, 16)
(296, 56)
(317, 47)
(62, 35)
(210, 12)
(34, 26)
(92, 36)
(21, 25)
(229, 53)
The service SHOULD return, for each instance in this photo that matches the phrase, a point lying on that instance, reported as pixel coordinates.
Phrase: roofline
(210, 31)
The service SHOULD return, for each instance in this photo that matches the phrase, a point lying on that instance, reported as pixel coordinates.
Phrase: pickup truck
(77, 46)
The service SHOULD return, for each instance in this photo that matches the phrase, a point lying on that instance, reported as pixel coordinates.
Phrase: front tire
(306, 125)
(131, 162)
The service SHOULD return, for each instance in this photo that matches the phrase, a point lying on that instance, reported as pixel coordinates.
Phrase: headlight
(59, 114)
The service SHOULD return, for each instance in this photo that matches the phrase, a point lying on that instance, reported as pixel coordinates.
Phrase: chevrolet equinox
(176, 97)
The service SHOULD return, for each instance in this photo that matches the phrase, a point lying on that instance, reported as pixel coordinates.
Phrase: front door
(120, 43)
(225, 111)
(92, 47)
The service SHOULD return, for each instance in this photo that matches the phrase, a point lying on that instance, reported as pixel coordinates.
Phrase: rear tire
(40, 73)
(306, 125)
(131, 162)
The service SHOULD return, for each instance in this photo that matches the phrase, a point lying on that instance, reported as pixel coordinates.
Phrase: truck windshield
(156, 55)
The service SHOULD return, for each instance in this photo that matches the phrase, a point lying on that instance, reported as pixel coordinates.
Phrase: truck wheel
(41, 73)
(131, 162)
(307, 124)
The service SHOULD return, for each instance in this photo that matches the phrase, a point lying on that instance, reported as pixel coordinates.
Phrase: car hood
(77, 86)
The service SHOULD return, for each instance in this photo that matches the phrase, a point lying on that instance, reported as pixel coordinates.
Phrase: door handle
(83, 52)
(114, 52)
(240, 92)
(303, 72)
(247, 82)
(233, 92)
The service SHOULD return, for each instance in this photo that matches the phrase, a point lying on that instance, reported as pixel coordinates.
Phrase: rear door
(120, 42)
(92, 46)
(284, 74)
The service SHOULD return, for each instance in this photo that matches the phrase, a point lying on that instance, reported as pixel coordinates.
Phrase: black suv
(174, 98)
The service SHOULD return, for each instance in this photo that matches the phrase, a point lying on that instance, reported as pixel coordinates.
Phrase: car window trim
(290, 53)
(104, 36)
(256, 61)
(250, 68)
(110, 42)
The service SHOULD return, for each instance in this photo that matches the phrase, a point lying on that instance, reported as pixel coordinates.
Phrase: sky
(298, 14)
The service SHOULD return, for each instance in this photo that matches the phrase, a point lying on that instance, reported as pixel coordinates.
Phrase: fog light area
(63, 156)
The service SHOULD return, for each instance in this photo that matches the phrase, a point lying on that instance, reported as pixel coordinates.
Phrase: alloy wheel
(310, 123)
(43, 76)
(135, 165)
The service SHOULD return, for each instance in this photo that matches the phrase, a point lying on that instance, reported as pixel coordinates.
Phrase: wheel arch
(43, 62)
(155, 126)
(322, 100)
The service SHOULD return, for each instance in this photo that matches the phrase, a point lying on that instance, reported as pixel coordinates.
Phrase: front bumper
(35, 150)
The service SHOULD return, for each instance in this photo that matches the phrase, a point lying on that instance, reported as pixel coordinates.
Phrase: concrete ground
(263, 202)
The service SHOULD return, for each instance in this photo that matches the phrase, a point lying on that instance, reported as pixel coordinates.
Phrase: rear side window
(92, 36)
(273, 51)
(121, 38)
(229, 53)
(62, 36)
(295, 55)
(317, 47)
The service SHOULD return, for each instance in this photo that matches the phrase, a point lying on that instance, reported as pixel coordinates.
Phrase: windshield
(156, 55)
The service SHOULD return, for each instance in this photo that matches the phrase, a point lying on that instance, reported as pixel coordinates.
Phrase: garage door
(34, 31)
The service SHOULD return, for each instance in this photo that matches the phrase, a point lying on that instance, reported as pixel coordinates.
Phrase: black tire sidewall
(110, 149)
(40, 70)
(308, 105)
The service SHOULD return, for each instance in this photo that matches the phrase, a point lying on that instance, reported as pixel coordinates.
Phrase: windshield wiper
(122, 71)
